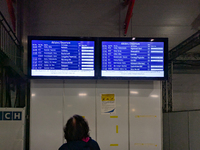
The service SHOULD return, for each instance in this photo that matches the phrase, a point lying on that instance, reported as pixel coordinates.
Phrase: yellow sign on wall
(108, 97)
(108, 104)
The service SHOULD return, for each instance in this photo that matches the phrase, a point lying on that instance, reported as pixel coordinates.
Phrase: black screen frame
(135, 39)
(59, 38)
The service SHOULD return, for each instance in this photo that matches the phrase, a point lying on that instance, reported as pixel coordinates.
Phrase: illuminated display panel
(69, 58)
(133, 59)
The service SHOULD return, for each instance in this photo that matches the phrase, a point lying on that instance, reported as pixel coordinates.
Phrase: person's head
(76, 128)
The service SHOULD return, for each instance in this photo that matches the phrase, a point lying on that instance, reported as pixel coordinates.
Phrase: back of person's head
(76, 128)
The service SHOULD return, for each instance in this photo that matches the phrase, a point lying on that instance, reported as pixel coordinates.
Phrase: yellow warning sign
(108, 104)
(108, 97)
(145, 144)
(113, 144)
(113, 116)
(145, 116)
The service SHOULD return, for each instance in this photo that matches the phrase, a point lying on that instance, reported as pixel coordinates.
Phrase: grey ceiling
(151, 18)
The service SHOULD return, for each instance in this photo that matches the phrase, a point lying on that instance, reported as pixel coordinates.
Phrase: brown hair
(76, 128)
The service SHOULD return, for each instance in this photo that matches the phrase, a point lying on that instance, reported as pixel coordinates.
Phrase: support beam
(128, 16)
(1, 86)
(186, 66)
(185, 46)
(164, 96)
(169, 86)
(187, 62)
(189, 56)
(7, 62)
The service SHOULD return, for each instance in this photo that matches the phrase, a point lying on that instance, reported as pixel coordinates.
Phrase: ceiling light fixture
(154, 96)
(134, 92)
(82, 94)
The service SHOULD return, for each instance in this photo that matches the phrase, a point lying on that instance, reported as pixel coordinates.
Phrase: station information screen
(62, 58)
(132, 59)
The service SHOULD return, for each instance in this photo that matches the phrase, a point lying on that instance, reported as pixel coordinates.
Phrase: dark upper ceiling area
(151, 18)
(161, 18)
(175, 19)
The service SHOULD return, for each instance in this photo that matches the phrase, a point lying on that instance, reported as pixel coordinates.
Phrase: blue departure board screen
(132, 59)
(62, 58)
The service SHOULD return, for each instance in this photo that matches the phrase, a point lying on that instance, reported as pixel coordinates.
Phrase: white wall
(82, 105)
(107, 136)
(136, 123)
(145, 115)
(46, 114)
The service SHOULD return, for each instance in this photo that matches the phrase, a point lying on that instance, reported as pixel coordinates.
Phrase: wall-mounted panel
(186, 92)
(112, 127)
(145, 115)
(46, 106)
(166, 132)
(194, 132)
(12, 127)
(178, 130)
(79, 98)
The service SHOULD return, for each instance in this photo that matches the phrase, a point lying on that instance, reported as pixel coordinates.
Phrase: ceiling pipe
(128, 15)
(12, 12)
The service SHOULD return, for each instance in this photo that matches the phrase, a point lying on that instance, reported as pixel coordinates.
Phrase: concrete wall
(186, 91)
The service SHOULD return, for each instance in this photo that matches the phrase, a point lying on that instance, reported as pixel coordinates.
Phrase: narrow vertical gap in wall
(1, 86)
(27, 117)
(96, 110)
(128, 115)
(188, 130)
(63, 108)
(169, 87)
(168, 123)
(162, 115)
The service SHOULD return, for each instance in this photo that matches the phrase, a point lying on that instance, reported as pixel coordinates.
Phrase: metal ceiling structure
(185, 46)
(179, 23)
(181, 49)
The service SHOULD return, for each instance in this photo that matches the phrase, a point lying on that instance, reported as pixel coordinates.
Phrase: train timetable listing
(62, 55)
(133, 56)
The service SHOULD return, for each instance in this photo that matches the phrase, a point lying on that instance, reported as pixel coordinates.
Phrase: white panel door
(12, 123)
(166, 132)
(145, 115)
(79, 98)
(112, 129)
(46, 128)
(179, 125)
(194, 132)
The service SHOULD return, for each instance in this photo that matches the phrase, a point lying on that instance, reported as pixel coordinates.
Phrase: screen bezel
(130, 39)
(56, 38)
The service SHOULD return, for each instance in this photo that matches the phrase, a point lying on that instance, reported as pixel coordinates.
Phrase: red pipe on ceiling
(128, 15)
(12, 12)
